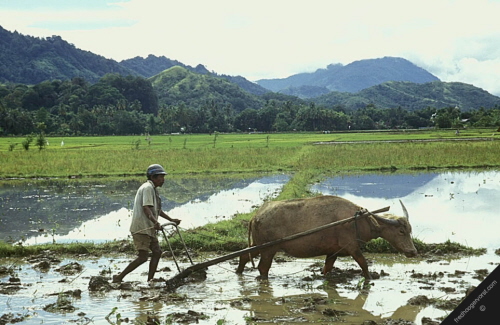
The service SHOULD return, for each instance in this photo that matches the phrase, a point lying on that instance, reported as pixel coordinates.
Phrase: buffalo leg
(266, 259)
(243, 261)
(360, 259)
(329, 261)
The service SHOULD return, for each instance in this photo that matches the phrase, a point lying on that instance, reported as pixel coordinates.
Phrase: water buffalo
(279, 219)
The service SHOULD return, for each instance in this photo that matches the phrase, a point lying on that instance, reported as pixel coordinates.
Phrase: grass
(237, 153)
(190, 155)
(238, 140)
(9, 250)
(362, 157)
(224, 236)
(380, 245)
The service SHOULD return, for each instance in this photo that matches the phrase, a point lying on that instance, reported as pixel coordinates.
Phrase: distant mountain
(152, 65)
(352, 78)
(31, 60)
(178, 85)
(413, 96)
(245, 84)
(387, 82)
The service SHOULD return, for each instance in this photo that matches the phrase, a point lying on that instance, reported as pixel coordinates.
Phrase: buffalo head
(397, 231)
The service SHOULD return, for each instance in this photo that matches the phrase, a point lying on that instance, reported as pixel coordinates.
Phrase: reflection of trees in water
(57, 205)
(61, 205)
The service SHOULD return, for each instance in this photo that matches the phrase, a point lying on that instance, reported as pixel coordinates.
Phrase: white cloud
(454, 39)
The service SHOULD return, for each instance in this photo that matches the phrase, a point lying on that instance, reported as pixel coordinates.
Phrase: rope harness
(374, 227)
(357, 215)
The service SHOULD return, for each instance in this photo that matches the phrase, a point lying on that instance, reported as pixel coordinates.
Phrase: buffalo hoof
(411, 254)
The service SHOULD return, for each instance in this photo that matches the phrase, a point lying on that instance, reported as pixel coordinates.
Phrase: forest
(126, 105)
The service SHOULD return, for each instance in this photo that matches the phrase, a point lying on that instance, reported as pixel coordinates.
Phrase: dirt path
(407, 141)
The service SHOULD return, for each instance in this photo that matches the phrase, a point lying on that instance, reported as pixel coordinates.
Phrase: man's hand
(158, 226)
(177, 221)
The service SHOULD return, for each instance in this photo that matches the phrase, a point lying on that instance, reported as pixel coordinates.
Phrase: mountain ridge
(152, 65)
(30, 60)
(413, 96)
(353, 77)
(178, 85)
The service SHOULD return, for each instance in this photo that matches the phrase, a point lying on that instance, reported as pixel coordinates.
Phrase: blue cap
(155, 169)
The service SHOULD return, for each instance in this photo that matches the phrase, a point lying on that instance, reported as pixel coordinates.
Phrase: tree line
(126, 105)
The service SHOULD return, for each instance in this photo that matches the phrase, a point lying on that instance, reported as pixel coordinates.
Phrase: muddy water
(455, 206)
(295, 292)
(40, 211)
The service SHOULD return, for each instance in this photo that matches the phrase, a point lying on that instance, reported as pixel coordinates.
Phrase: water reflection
(70, 211)
(452, 205)
(457, 206)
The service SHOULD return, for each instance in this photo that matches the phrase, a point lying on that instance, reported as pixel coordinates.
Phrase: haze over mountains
(385, 82)
(352, 78)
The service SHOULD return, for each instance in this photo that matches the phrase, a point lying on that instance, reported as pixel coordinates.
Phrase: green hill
(152, 65)
(413, 96)
(39, 62)
(178, 85)
(32, 60)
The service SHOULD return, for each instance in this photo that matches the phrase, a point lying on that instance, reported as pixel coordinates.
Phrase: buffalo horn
(404, 210)
(392, 222)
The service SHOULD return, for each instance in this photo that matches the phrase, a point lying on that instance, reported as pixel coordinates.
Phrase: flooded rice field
(61, 211)
(456, 206)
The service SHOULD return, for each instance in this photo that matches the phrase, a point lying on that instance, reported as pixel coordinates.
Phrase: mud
(50, 289)
(78, 289)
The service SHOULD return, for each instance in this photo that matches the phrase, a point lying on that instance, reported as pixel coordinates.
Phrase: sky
(455, 40)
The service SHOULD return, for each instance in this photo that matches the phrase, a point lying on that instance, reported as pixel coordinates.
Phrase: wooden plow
(176, 281)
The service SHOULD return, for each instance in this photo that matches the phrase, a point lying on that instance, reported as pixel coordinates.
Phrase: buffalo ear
(404, 210)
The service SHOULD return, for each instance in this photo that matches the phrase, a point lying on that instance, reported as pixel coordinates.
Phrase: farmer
(144, 227)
